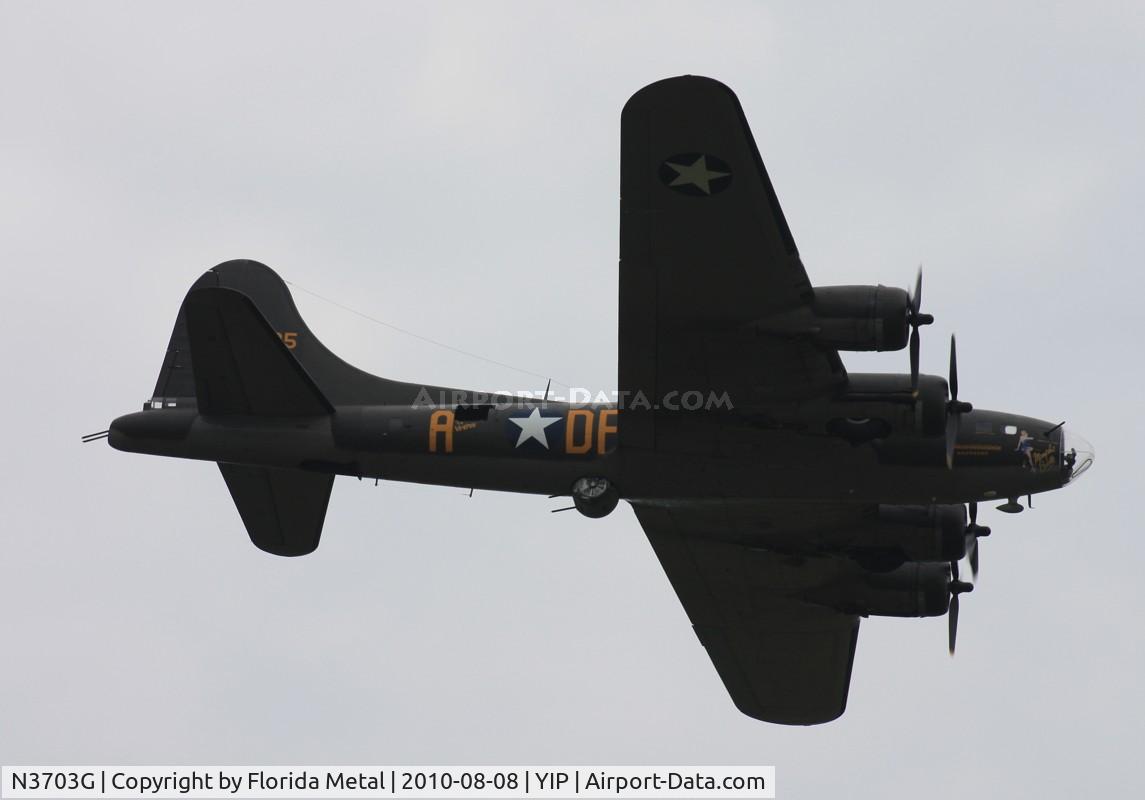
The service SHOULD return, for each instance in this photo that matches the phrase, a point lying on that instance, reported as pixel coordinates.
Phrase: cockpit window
(1077, 455)
(1010, 430)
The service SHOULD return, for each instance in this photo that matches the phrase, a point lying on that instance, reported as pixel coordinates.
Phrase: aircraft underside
(785, 497)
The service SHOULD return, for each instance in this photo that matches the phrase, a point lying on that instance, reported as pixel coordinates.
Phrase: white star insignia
(533, 427)
(696, 174)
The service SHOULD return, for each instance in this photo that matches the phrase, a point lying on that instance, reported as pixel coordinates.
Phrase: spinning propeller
(954, 408)
(956, 588)
(916, 319)
(973, 532)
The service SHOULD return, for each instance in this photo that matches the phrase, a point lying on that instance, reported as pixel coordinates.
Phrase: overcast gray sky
(453, 170)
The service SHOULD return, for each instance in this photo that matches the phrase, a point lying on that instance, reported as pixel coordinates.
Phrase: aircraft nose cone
(1077, 455)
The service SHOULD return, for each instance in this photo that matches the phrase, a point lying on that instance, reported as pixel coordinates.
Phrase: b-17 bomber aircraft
(785, 497)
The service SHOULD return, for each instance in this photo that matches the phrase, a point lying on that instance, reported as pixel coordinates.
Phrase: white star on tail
(533, 427)
(697, 174)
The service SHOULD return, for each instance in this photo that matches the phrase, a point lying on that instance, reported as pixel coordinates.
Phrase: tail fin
(240, 347)
(337, 381)
(239, 364)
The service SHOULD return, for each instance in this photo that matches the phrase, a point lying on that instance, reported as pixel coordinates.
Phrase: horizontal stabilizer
(283, 509)
(240, 364)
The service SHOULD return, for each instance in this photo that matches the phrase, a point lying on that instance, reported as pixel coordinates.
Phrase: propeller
(973, 532)
(916, 319)
(954, 408)
(956, 587)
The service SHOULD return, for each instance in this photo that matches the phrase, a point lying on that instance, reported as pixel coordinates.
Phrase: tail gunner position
(784, 497)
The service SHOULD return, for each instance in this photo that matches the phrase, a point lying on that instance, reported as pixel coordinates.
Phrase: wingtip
(675, 84)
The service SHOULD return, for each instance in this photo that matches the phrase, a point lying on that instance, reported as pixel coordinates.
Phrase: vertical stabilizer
(339, 382)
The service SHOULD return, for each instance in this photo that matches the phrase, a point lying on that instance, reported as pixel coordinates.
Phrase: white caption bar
(283, 783)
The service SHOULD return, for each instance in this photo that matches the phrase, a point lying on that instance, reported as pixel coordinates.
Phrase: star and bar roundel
(571, 432)
(695, 174)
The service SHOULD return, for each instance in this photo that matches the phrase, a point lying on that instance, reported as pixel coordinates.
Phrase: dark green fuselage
(856, 448)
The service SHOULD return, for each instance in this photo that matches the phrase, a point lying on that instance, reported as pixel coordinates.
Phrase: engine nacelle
(912, 590)
(847, 318)
(897, 534)
(922, 533)
(862, 317)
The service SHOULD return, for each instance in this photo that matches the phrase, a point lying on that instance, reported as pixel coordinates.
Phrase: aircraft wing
(781, 659)
(704, 251)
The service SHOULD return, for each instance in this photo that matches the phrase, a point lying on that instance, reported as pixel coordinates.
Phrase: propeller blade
(951, 437)
(953, 370)
(914, 348)
(916, 319)
(952, 623)
(974, 532)
(956, 587)
(954, 407)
